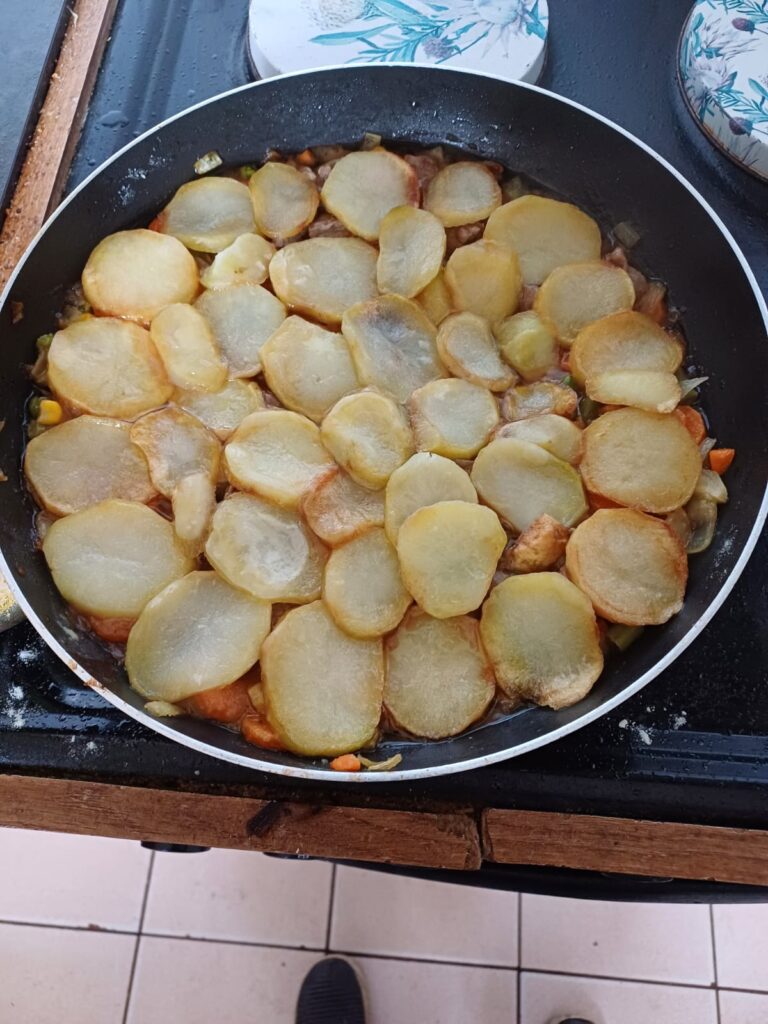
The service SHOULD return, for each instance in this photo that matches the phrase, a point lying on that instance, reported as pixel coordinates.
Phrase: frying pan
(562, 145)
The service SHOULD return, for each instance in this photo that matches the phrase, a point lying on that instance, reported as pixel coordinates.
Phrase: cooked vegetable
(702, 515)
(462, 193)
(284, 200)
(469, 350)
(193, 502)
(693, 422)
(452, 417)
(207, 162)
(175, 445)
(411, 250)
(362, 588)
(363, 187)
(241, 318)
(436, 299)
(338, 509)
(323, 277)
(538, 547)
(186, 346)
(223, 703)
(484, 278)
(711, 486)
(245, 261)
(425, 479)
(50, 413)
(622, 636)
(527, 344)
(520, 403)
(623, 341)
(653, 390)
(257, 730)
(577, 294)
(346, 763)
(720, 459)
(207, 215)
(680, 524)
(556, 434)
(224, 410)
(369, 436)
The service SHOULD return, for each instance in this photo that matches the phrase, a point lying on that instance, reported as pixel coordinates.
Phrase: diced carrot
(692, 421)
(721, 458)
(114, 631)
(346, 763)
(158, 223)
(306, 158)
(222, 704)
(565, 360)
(257, 730)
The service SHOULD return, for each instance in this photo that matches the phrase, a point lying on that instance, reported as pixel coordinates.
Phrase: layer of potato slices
(577, 294)
(224, 410)
(463, 193)
(363, 187)
(241, 318)
(452, 417)
(284, 200)
(338, 509)
(556, 434)
(543, 396)
(484, 278)
(653, 390)
(468, 348)
(436, 299)
(175, 445)
(186, 345)
(323, 277)
(527, 344)
(369, 436)
(207, 215)
(425, 479)
(411, 250)
(623, 341)
(244, 261)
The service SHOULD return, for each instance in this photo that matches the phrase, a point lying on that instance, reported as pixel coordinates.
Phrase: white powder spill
(27, 654)
(679, 721)
(17, 720)
(16, 693)
(136, 173)
(644, 736)
(91, 747)
(126, 194)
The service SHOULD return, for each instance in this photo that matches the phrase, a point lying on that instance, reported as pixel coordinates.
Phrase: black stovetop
(693, 746)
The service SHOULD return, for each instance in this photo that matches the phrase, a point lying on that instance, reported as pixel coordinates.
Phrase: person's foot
(331, 993)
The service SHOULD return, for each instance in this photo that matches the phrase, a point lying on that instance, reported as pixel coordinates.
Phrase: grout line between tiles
(613, 977)
(232, 942)
(142, 912)
(331, 899)
(520, 956)
(70, 927)
(714, 959)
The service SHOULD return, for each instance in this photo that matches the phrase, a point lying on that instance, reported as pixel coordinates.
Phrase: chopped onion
(370, 140)
(706, 447)
(162, 709)
(209, 162)
(688, 387)
(703, 516)
(380, 766)
(627, 234)
(622, 636)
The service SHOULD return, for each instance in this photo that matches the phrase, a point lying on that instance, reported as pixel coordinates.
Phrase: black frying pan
(560, 144)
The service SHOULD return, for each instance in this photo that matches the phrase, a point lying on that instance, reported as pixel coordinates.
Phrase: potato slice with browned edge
(185, 343)
(111, 558)
(448, 554)
(368, 435)
(436, 300)
(631, 566)
(425, 479)
(222, 411)
(284, 200)
(245, 261)
(108, 367)
(199, 633)
(392, 344)
(556, 434)
(545, 234)
(623, 341)
(484, 278)
(463, 193)
(468, 348)
(411, 250)
(265, 550)
(452, 417)
(653, 390)
(241, 318)
(542, 638)
(538, 547)
(277, 454)
(322, 687)
(521, 481)
(83, 461)
(362, 587)
(307, 367)
(207, 215)
(323, 277)
(579, 293)
(543, 396)
(363, 187)
(338, 509)
(193, 502)
(176, 444)
(527, 344)
(133, 274)
(646, 460)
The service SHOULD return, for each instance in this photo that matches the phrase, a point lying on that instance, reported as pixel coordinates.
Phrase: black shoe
(570, 1020)
(331, 994)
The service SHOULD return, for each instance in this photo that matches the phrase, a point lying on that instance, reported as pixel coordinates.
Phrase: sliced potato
(185, 343)
(521, 481)
(484, 278)
(463, 193)
(448, 554)
(108, 367)
(284, 200)
(438, 679)
(338, 509)
(241, 318)
(452, 417)
(545, 234)
(556, 434)
(193, 502)
(623, 341)
(265, 550)
(277, 454)
(653, 390)
(468, 348)
(222, 411)
(245, 261)
(176, 444)
(646, 460)
(362, 587)
(542, 638)
(307, 367)
(425, 479)
(363, 187)
(369, 436)
(436, 299)
(111, 558)
(411, 251)
(199, 633)
(133, 274)
(578, 294)
(323, 277)
(527, 344)
(544, 396)
(208, 214)
(392, 344)
(539, 547)
(630, 565)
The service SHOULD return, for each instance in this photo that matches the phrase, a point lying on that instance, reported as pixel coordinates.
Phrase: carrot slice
(346, 763)
(692, 421)
(721, 458)
(306, 158)
(223, 703)
(257, 730)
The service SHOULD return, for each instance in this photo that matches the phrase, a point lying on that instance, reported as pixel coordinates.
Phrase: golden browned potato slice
(133, 274)
(448, 554)
(438, 680)
(323, 277)
(176, 444)
(484, 278)
(411, 250)
(545, 234)
(241, 318)
(362, 588)
(222, 411)
(522, 481)
(646, 460)
(197, 634)
(579, 293)
(277, 454)
(185, 343)
(111, 558)
(284, 200)
(368, 435)
(363, 187)
(322, 687)
(337, 509)
(630, 565)
(108, 367)
(527, 344)
(307, 367)
(265, 550)
(452, 417)
(392, 344)
(468, 348)
(83, 461)
(541, 635)
(554, 433)
(193, 502)
(425, 479)
(207, 215)
(543, 396)
(463, 193)
(436, 299)
(537, 548)
(245, 261)
(653, 390)
(623, 341)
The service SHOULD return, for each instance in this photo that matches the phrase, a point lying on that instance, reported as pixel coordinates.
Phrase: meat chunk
(538, 548)
(426, 168)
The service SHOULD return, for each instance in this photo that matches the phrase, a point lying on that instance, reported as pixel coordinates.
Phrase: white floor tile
(395, 916)
(650, 941)
(247, 897)
(743, 1008)
(52, 878)
(741, 942)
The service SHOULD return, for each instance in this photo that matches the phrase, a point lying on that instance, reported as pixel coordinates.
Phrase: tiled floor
(97, 931)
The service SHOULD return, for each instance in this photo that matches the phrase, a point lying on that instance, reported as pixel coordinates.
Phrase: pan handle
(10, 611)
